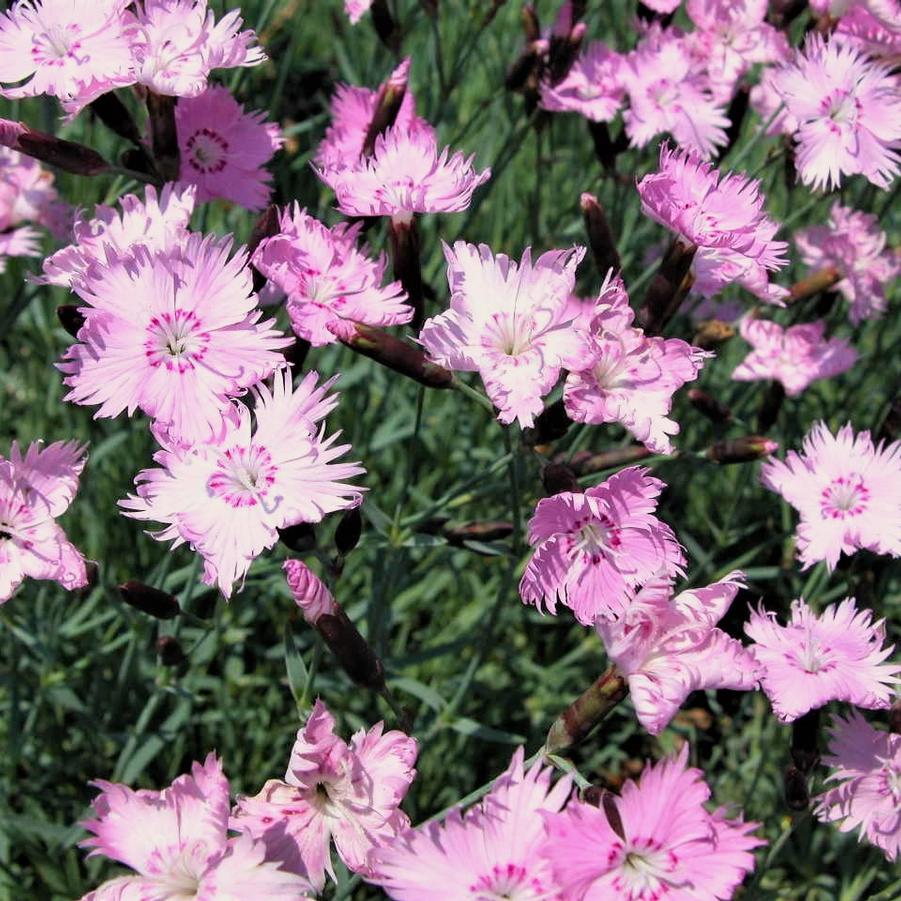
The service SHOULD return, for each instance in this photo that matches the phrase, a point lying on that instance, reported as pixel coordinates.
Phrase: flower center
(844, 497)
(55, 44)
(841, 107)
(207, 151)
(181, 878)
(243, 476)
(664, 93)
(508, 881)
(508, 333)
(646, 872)
(596, 537)
(175, 340)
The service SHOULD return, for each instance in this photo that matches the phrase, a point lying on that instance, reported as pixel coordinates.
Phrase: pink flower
(593, 550)
(356, 9)
(490, 851)
(70, 50)
(224, 150)
(868, 769)
(722, 216)
(795, 356)
(669, 647)
(310, 595)
(669, 92)
(228, 498)
(847, 491)
(176, 840)
(854, 244)
(159, 222)
(405, 175)
(662, 6)
(35, 490)
(349, 793)
(173, 334)
(848, 110)
(509, 322)
(837, 656)
(631, 378)
(330, 284)
(27, 194)
(593, 87)
(662, 843)
(874, 29)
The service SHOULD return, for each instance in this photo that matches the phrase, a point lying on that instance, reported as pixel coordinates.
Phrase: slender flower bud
(557, 477)
(400, 356)
(770, 407)
(387, 105)
(65, 155)
(405, 252)
(114, 114)
(267, 226)
(668, 288)
(523, 67)
(531, 25)
(310, 594)
(564, 51)
(138, 160)
(741, 450)
(149, 600)
(585, 462)
(607, 148)
(797, 794)
(164, 135)
(601, 797)
(813, 284)
(384, 24)
(349, 530)
(711, 333)
(586, 712)
(169, 650)
(551, 424)
(70, 318)
(709, 406)
(600, 236)
(299, 538)
(491, 530)
(805, 752)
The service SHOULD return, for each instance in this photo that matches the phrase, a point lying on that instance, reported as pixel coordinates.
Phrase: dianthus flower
(329, 283)
(593, 550)
(510, 323)
(157, 222)
(660, 844)
(352, 110)
(723, 216)
(356, 9)
(332, 791)
(175, 335)
(836, 656)
(490, 851)
(795, 356)
(69, 50)
(848, 107)
(224, 150)
(176, 840)
(593, 86)
(36, 489)
(405, 175)
(631, 378)
(867, 768)
(668, 92)
(854, 244)
(662, 6)
(874, 28)
(668, 647)
(228, 498)
(847, 490)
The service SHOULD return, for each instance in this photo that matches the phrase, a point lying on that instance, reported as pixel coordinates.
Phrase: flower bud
(149, 600)
(564, 52)
(709, 406)
(712, 332)
(300, 537)
(405, 253)
(164, 135)
(492, 530)
(351, 650)
(70, 318)
(350, 527)
(114, 114)
(400, 356)
(265, 227)
(668, 288)
(603, 798)
(606, 148)
(557, 477)
(741, 450)
(585, 462)
(296, 354)
(65, 155)
(523, 67)
(169, 650)
(797, 795)
(805, 752)
(813, 284)
(586, 712)
(310, 594)
(600, 236)
(770, 407)
(387, 105)
(551, 424)
(384, 24)
(531, 25)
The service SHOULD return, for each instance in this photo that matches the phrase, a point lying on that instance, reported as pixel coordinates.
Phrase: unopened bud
(709, 406)
(770, 406)
(531, 25)
(384, 24)
(600, 236)
(149, 600)
(603, 798)
(557, 477)
(741, 450)
(138, 160)
(387, 105)
(813, 284)
(70, 318)
(492, 530)
(564, 51)
(266, 226)
(797, 795)
(551, 424)
(585, 462)
(92, 574)
(405, 253)
(349, 530)
(607, 148)
(400, 356)
(300, 537)
(114, 114)
(523, 67)
(668, 288)
(587, 711)
(351, 650)
(711, 333)
(65, 155)
(164, 135)
(169, 650)
(309, 592)
(805, 751)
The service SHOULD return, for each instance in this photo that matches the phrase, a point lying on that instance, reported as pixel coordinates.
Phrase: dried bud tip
(149, 600)
(741, 450)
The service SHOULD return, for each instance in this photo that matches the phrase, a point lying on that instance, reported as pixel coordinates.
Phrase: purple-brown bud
(400, 356)
(585, 462)
(805, 751)
(797, 794)
(668, 288)
(405, 256)
(770, 406)
(169, 650)
(114, 114)
(491, 530)
(387, 105)
(587, 711)
(349, 530)
(65, 155)
(299, 538)
(709, 406)
(384, 24)
(813, 284)
(551, 424)
(149, 600)
(600, 236)
(557, 477)
(351, 650)
(164, 135)
(741, 450)
(70, 318)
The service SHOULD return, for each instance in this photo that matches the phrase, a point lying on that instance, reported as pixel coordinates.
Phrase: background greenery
(82, 692)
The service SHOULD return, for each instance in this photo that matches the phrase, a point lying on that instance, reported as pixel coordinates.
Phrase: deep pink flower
(310, 594)
(836, 656)
(664, 847)
(349, 793)
(330, 284)
(847, 490)
(668, 647)
(510, 323)
(855, 245)
(35, 490)
(176, 840)
(867, 768)
(631, 378)
(356, 9)
(795, 356)
(593, 550)
(723, 216)
(224, 150)
(593, 86)
(228, 498)
(848, 107)
(405, 175)
(64, 48)
(173, 334)
(158, 222)
(490, 851)
(669, 93)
